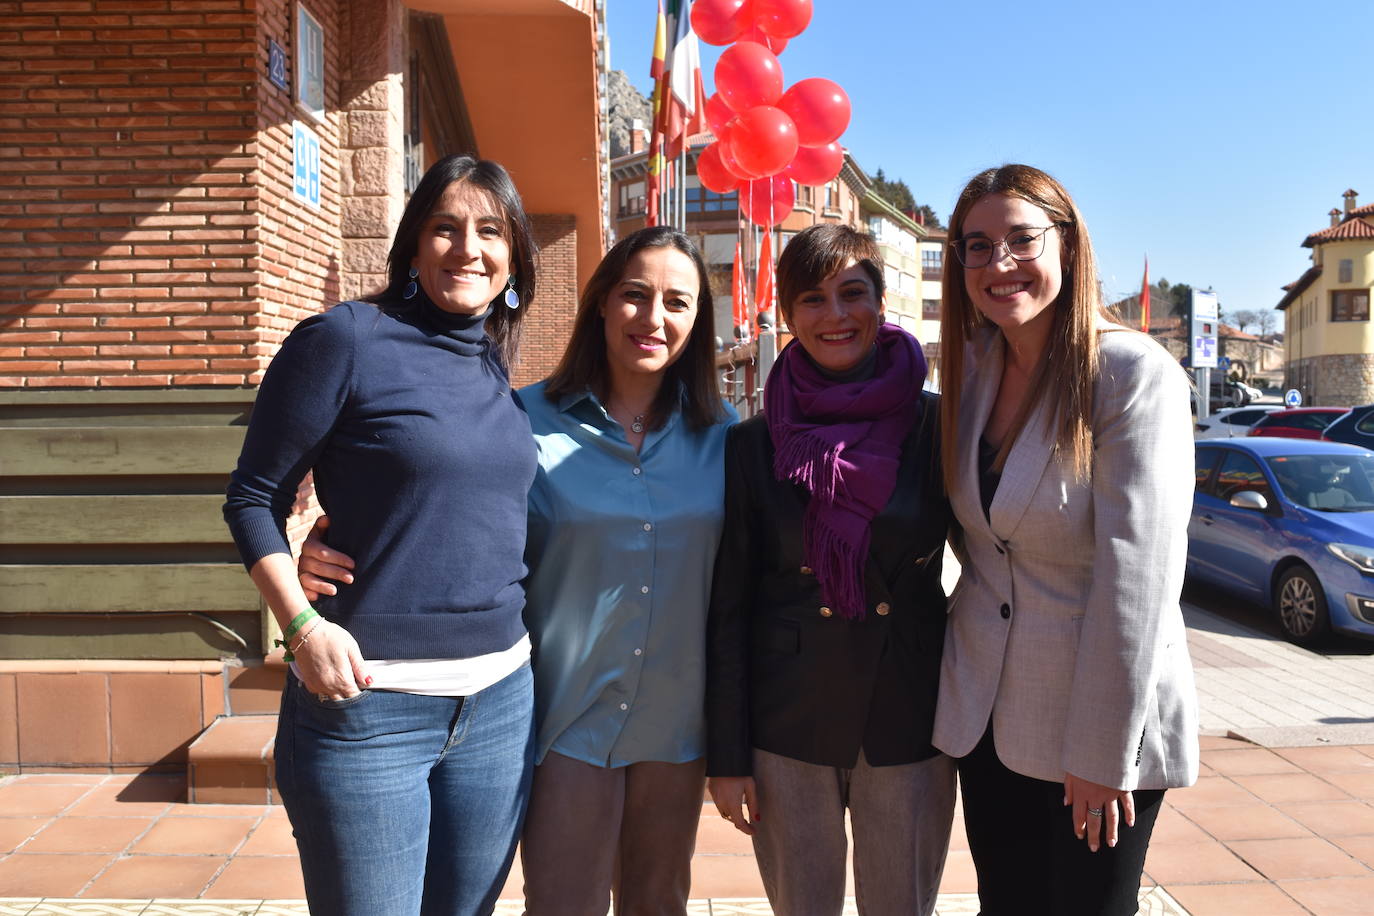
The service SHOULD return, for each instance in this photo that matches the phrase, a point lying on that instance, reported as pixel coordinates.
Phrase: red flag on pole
(1145, 298)
(765, 285)
(739, 292)
(658, 70)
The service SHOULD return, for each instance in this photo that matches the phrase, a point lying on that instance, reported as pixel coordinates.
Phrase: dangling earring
(412, 287)
(512, 297)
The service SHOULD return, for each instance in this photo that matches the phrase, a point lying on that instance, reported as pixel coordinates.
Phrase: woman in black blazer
(827, 614)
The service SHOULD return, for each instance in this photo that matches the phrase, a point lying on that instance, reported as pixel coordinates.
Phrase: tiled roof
(1294, 289)
(1349, 229)
(1366, 210)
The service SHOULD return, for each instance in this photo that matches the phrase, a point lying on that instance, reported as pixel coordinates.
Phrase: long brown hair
(690, 381)
(1067, 382)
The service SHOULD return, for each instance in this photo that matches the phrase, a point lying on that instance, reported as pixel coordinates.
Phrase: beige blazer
(1065, 630)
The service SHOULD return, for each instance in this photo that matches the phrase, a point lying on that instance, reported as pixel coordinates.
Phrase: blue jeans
(404, 804)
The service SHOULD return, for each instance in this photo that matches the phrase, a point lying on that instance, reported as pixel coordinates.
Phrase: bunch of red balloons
(765, 138)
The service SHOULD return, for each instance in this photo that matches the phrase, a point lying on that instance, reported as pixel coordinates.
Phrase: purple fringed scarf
(843, 442)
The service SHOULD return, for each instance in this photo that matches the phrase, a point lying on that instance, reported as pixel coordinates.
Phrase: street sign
(1223, 362)
(1203, 311)
(1292, 397)
(306, 161)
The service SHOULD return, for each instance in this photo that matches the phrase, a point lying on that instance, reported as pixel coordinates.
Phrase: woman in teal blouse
(624, 517)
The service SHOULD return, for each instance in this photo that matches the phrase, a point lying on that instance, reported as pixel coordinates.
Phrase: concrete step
(231, 763)
(256, 689)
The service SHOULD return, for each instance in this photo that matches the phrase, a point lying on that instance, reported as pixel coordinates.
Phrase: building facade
(182, 184)
(1328, 337)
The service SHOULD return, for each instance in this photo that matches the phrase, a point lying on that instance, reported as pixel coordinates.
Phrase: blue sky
(1213, 135)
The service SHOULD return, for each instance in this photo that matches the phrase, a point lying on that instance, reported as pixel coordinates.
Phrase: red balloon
(819, 108)
(718, 115)
(767, 201)
(783, 18)
(816, 165)
(771, 42)
(727, 158)
(712, 172)
(764, 140)
(719, 22)
(749, 75)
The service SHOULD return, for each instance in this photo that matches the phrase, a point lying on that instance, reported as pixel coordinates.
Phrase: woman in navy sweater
(405, 797)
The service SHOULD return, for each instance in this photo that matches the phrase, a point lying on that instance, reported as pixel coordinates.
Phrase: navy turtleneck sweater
(422, 461)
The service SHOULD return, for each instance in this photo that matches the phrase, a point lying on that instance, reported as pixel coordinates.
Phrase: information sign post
(1203, 314)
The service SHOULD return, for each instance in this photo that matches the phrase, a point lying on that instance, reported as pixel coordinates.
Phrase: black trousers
(1026, 854)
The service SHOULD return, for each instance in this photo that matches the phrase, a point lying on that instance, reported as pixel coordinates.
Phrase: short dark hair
(503, 325)
(821, 250)
(692, 377)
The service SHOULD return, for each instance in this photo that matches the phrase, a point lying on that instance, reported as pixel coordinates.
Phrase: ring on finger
(1094, 812)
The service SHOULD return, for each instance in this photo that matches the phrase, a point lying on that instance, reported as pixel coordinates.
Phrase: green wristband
(299, 621)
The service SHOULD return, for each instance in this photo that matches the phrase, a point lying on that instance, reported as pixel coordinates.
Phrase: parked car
(1228, 393)
(1288, 522)
(1356, 427)
(1298, 422)
(1230, 422)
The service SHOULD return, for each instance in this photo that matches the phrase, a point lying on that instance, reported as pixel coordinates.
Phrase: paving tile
(1196, 863)
(202, 835)
(89, 834)
(1360, 785)
(153, 717)
(1209, 792)
(1253, 822)
(63, 777)
(958, 835)
(1234, 899)
(259, 876)
(63, 718)
(190, 810)
(15, 830)
(211, 698)
(716, 835)
(1360, 848)
(24, 798)
(144, 795)
(1328, 759)
(1299, 857)
(960, 876)
(89, 907)
(1250, 762)
(1217, 742)
(169, 876)
(272, 837)
(1299, 787)
(24, 875)
(1173, 827)
(725, 876)
(1333, 819)
(1333, 896)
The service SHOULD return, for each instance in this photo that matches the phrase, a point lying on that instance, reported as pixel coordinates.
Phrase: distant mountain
(625, 104)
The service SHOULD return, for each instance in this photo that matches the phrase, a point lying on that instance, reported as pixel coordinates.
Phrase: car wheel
(1300, 605)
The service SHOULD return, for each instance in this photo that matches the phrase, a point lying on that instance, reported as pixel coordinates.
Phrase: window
(1347, 271)
(930, 309)
(1204, 459)
(1350, 305)
(631, 198)
(932, 263)
(1238, 474)
(832, 195)
(704, 200)
(806, 195)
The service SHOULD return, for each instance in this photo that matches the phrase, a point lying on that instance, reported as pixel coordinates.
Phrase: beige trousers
(900, 816)
(593, 830)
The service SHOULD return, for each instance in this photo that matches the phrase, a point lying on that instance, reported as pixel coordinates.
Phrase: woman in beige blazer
(1066, 692)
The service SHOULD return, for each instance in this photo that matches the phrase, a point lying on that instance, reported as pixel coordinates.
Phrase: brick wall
(147, 235)
(298, 247)
(549, 322)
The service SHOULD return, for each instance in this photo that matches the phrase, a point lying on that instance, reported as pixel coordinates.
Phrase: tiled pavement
(1269, 830)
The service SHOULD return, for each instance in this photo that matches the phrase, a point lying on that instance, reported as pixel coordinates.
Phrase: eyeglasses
(1022, 244)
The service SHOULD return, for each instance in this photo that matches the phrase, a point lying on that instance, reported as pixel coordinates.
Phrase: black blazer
(783, 673)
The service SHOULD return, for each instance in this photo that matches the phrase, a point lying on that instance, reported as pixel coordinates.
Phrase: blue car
(1289, 522)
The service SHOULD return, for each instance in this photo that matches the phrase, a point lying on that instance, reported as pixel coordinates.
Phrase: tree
(928, 216)
(894, 192)
(1266, 319)
(1242, 318)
